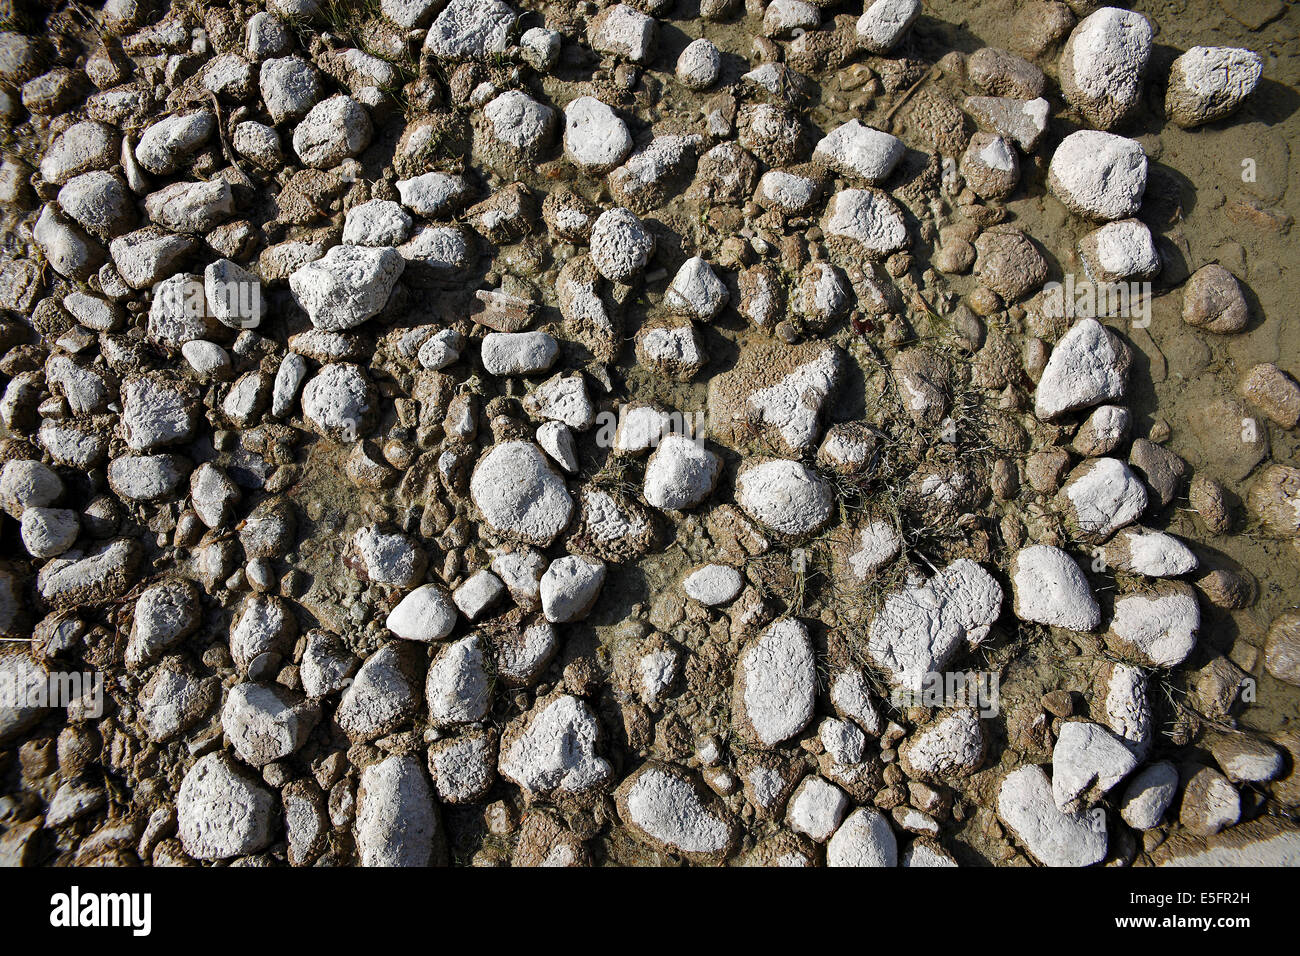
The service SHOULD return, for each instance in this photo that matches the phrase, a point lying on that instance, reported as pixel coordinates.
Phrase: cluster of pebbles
(347, 358)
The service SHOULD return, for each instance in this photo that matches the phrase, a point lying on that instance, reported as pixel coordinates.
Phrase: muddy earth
(498, 432)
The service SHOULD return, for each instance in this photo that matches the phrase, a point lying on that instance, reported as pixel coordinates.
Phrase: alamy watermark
(238, 302)
(1093, 300)
(976, 690)
(644, 427)
(58, 689)
(79, 908)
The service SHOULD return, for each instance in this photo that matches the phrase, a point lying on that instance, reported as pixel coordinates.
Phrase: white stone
(855, 149)
(1088, 366)
(191, 207)
(1104, 429)
(865, 838)
(233, 295)
(1140, 550)
(266, 722)
(873, 546)
(1103, 63)
(785, 19)
(541, 48)
(481, 590)
(168, 143)
(426, 614)
(675, 351)
(784, 496)
(433, 195)
(620, 245)
(176, 315)
(884, 23)
(73, 443)
(346, 286)
(464, 767)
(793, 405)
(1159, 628)
(1054, 838)
(696, 291)
(246, 400)
(1208, 83)
(173, 700)
(788, 192)
(99, 202)
(622, 31)
(379, 222)
(47, 532)
(441, 349)
(555, 749)
(1127, 709)
(389, 557)
(93, 312)
(868, 217)
(1099, 175)
(327, 665)
(641, 180)
(1087, 762)
(680, 474)
(920, 628)
(921, 854)
(164, 613)
(457, 688)
(220, 813)
(656, 671)
(1246, 759)
(665, 806)
(640, 428)
(259, 143)
(954, 745)
(521, 572)
(471, 30)
(843, 740)
(1120, 250)
(409, 14)
(23, 678)
(145, 256)
(290, 87)
(518, 353)
(397, 821)
(562, 398)
(775, 684)
(80, 148)
(520, 121)
(816, 808)
(28, 484)
(595, 139)
(556, 439)
(1050, 588)
(851, 698)
(570, 587)
(1024, 121)
(1148, 795)
(288, 380)
(699, 65)
(521, 660)
(262, 626)
(519, 495)
(714, 584)
(439, 250)
(142, 478)
(1105, 495)
(382, 696)
(338, 401)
